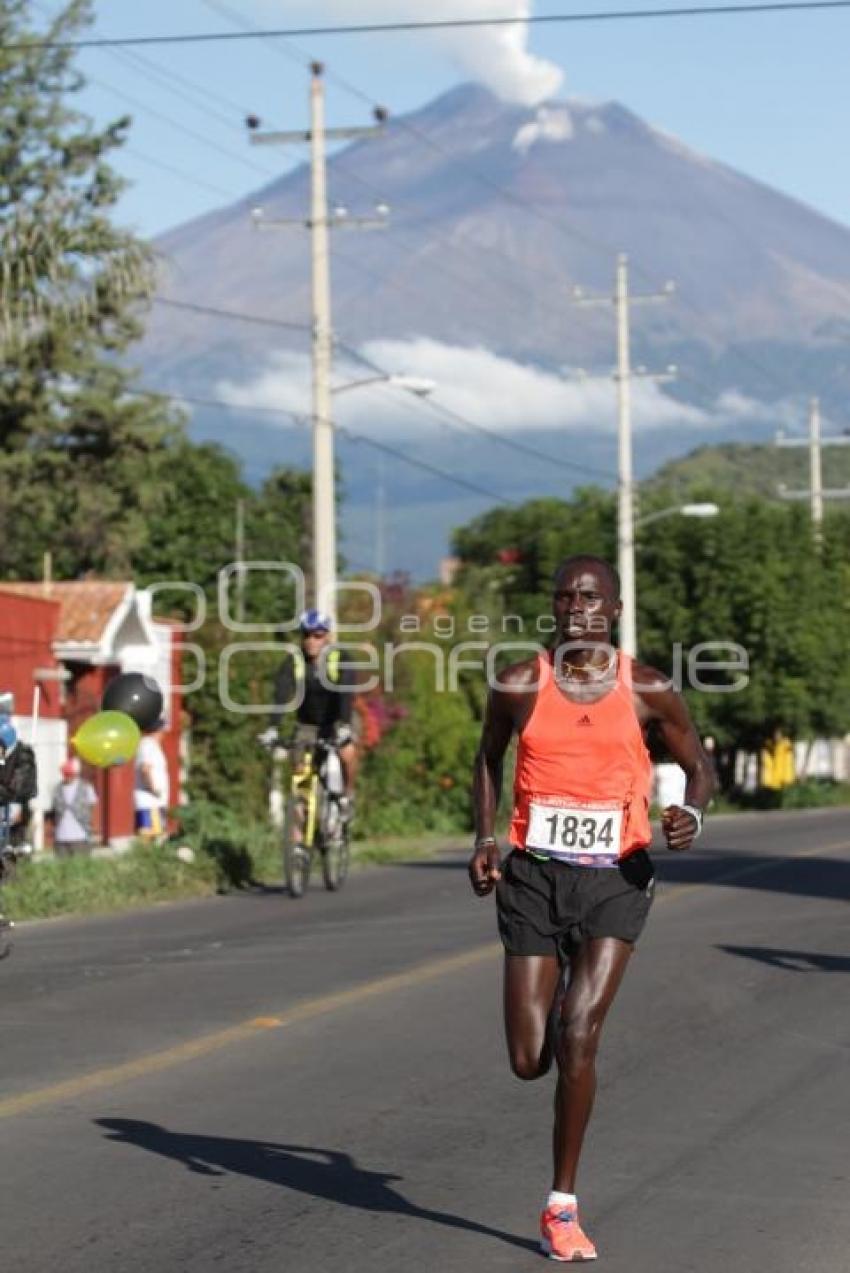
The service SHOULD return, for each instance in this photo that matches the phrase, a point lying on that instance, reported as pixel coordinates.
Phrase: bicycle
(313, 821)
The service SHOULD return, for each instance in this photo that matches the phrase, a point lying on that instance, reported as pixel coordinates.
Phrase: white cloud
(547, 125)
(497, 57)
(503, 395)
(788, 413)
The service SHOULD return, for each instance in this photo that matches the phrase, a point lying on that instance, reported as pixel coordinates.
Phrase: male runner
(578, 885)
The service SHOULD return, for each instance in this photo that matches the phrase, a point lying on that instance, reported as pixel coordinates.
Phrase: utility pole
(240, 560)
(622, 301)
(815, 470)
(381, 519)
(815, 494)
(320, 222)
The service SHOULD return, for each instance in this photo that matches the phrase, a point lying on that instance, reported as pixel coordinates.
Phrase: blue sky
(768, 94)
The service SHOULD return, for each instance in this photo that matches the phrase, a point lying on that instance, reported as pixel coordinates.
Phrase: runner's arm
(500, 722)
(679, 735)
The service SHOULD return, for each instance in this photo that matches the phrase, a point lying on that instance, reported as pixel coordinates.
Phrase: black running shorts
(549, 907)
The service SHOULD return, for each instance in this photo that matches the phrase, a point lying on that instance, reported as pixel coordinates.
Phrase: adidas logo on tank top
(584, 720)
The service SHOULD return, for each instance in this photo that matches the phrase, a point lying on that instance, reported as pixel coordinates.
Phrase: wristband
(696, 814)
(483, 841)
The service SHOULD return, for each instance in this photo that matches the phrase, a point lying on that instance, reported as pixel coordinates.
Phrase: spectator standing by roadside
(151, 788)
(74, 800)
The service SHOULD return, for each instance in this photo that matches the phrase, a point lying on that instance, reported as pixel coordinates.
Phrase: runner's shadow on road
(725, 868)
(799, 875)
(791, 960)
(320, 1173)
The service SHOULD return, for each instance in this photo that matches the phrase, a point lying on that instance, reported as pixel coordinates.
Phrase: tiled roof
(86, 605)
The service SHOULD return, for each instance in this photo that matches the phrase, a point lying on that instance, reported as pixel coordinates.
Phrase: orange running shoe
(562, 1237)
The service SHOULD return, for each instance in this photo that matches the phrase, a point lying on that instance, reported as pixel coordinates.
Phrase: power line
(427, 403)
(428, 468)
(169, 79)
(304, 421)
(182, 128)
(431, 404)
(213, 312)
(174, 171)
(378, 28)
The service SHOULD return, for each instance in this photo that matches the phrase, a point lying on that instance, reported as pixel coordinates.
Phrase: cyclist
(323, 689)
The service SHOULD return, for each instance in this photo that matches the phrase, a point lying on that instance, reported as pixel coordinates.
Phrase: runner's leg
(597, 968)
(531, 984)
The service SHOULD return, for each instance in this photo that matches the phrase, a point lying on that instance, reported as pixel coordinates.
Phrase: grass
(811, 793)
(230, 854)
(72, 886)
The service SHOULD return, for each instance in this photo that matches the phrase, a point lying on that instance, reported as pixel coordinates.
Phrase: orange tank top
(579, 758)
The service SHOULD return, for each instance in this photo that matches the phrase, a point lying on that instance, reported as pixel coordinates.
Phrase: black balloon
(137, 695)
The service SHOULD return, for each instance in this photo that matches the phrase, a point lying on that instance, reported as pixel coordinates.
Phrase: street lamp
(684, 510)
(420, 387)
(416, 385)
(628, 614)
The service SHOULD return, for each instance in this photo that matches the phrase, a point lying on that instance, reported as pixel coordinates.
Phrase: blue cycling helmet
(8, 733)
(315, 621)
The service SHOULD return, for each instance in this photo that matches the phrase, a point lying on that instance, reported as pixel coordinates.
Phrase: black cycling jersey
(325, 705)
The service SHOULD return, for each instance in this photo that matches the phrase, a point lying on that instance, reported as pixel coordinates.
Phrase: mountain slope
(748, 470)
(467, 263)
(498, 212)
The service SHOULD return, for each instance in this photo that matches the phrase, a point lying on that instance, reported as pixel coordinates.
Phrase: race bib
(584, 832)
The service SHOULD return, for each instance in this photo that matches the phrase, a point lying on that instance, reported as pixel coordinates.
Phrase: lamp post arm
(656, 517)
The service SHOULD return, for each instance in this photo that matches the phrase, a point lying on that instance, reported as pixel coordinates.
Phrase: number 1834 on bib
(570, 829)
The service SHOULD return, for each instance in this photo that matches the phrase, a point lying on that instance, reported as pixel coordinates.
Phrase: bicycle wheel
(335, 847)
(297, 860)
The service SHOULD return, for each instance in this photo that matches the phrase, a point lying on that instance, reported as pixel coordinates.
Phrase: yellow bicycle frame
(304, 785)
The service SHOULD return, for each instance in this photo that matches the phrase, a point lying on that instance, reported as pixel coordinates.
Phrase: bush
(811, 793)
(242, 852)
(418, 778)
(229, 853)
(146, 873)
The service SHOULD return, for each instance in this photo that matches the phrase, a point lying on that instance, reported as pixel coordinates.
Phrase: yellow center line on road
(321, 1006)
(324, 1005)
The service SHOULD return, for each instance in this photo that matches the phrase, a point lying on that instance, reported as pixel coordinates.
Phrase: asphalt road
(256, 1084)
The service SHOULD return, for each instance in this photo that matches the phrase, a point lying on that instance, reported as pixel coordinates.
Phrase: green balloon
(109, 738)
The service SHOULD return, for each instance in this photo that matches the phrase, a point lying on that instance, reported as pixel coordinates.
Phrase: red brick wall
(27, 629)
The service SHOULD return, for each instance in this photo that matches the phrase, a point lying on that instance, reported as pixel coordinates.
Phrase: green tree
(193, 541)
(514, 552)
(193, 536)
(751, 579)
(418, 777)
(84, 458)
